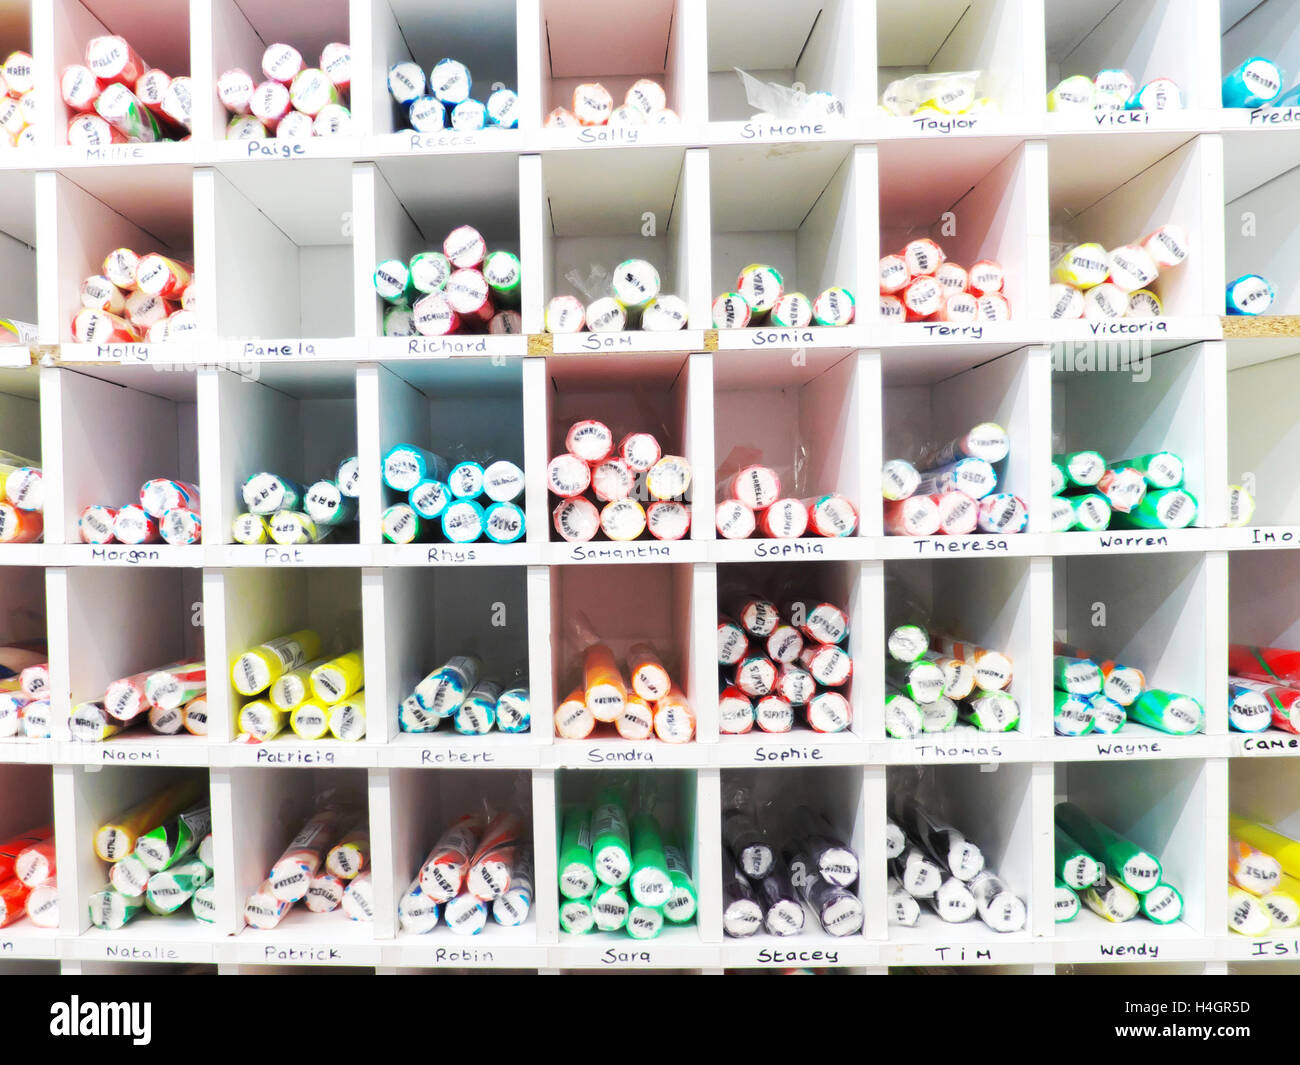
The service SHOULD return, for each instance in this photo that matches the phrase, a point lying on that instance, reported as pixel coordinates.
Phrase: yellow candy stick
(348, 718)
(1283, 848)
(115, 839)
(259, 667)
(339, 678)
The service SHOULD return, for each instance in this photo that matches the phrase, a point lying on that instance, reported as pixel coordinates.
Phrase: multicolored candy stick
(162, 847)
(117, 838)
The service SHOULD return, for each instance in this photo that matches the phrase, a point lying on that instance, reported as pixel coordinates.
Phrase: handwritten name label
(958, 750)
(769, 338)
(1269, 536)
(757, 131)
(1128, 950)
(977, 955)
(1275, 947)
(135, 953)
(770, 956)
(451, 555)
(1129, 750)
(310, 954)
(444, 956)
(114, 153)
(276, 556)
(1140, 325)
(608, 135)
(625, 957)
(131, 555)
(440, 346)
(975, 332)
(123, 352)
(111, 752)
(1270, 743)
(943, 125)
(1122, 118)
(788, 754)
(1133, 541)
(605, 341)
(294, 757)
(285, 349)
(453, 757)
(630, 553)
(7, 946)
(598, 756)
(274, 149)
(421, 142)
(1274, 116)
(785, 549)
(951, 545)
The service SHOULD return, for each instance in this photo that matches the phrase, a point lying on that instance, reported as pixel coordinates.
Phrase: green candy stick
(1074, 865)
(611, 841)
(684, 901)
(1066, 903)
(577, 872)
(1179, 715)
(1135, 868)
(650, 885)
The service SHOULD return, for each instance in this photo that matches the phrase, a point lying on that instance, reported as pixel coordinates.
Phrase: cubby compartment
(655, 40)
(241, 32)
(816, 45)
(462, 411)
(18, 254)
(416, 203)
(976, 606)
(95, 212)
(1262, 613)
(1261, 432)
(1147, 38)
(432, 616)
(977, 204)
(1163, 808)
(27, 821)
(424, 806)
(990, 810)
(801, 417)
(811, 836)
(125, 621)
(102, 796)
(481, 35)
(621, 606)
(269, 808)
(1127, 399)
(640, 204)
(150, 414)
(283, 255)
(1151, 613)
(160, 38)
(815, 602)
(265, 604)
(930, 400)
(1263, 794)
(24, 646)
(669, 796)
(1001, 41)
(16, 36)
(296, 421)
(20, 445)
(1164, 179)
(641, 393)
(1267, 28)
(804, 214)
(1259, 227)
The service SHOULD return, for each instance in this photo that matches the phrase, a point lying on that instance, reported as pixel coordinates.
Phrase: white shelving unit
(289, 371)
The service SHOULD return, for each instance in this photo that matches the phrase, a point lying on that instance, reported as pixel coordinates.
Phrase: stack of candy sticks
(118, 98)
(136, 297)
(168, 511)
(291, 686)
(292, 101)
(169, 699)
(160, 857)
(482, 864)
(458, 690)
